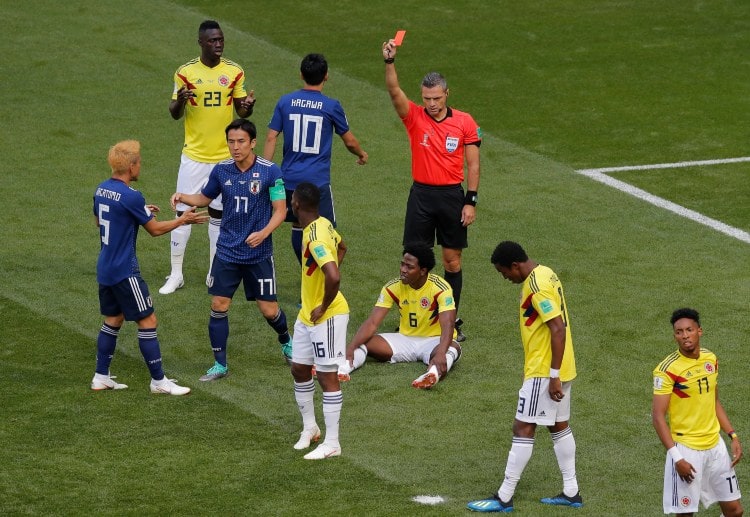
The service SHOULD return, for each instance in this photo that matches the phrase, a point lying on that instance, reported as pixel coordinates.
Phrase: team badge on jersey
(451, 143)
(424, 302)
(223, 80)
(709, 367)
(255, 187)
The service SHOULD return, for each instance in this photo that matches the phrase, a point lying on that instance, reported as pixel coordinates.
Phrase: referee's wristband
(675, 454)
(732, 434)
(389, 60)
(471, 198)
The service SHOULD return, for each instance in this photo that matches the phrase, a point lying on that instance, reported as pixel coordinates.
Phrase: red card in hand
(399, 38)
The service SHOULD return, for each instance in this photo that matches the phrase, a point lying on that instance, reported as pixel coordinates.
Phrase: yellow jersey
(419, 309)
(212, 109)
(320, 242)
(542, 299)
(692, 405)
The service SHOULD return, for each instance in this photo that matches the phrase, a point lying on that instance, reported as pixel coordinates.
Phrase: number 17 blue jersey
(247, 207)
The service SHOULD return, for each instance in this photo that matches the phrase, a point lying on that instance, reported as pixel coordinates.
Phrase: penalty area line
(600, 176)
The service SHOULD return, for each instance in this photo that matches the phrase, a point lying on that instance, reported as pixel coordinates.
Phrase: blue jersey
(120, 210)
(247, 207)
(308, 120)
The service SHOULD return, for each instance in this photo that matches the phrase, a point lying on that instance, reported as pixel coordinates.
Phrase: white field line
(601, 176)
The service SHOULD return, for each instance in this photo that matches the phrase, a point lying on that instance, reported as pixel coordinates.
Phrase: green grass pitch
(557, 86)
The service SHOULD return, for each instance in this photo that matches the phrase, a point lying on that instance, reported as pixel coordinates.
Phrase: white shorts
(192, 177)
(715, 480)
(323, 344)
(410, 349)
(535, 405)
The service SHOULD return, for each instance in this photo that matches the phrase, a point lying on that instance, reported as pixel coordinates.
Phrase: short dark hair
(208, 25)
(243, 124)
(434, 79)
(424, 255)
(308, 196)
(685, 313)
(314, 68)
(508, 252)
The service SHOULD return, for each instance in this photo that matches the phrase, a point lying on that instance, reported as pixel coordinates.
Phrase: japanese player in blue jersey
(309, 120)
(254, 206)
(119, 211)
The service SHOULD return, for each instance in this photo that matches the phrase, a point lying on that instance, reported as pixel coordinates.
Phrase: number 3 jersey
(308, 120)
(692, 405)
(211, 110)
(247, 198)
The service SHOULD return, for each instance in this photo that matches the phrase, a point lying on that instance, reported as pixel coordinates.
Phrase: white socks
(565, 450)
(518, 456)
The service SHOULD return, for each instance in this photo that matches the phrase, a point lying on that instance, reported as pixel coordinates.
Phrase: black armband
(471, 198)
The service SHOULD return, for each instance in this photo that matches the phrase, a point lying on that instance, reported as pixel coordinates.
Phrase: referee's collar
(448, 113)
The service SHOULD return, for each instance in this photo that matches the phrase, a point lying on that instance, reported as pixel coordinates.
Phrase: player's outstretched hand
(190, 216)
(362, 160)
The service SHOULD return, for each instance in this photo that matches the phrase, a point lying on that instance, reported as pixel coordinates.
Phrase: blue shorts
(259, 279)
(129, 297)
(326, 208)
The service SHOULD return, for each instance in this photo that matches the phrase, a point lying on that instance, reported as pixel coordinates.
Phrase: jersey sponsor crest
(451, 143)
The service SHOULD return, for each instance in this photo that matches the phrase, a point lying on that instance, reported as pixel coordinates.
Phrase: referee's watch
(471, 198)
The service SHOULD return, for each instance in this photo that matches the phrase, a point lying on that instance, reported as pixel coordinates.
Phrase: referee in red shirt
(441, 139)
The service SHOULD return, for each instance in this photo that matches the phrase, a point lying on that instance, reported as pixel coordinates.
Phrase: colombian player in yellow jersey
(207, 91)
(426, 330)
(320, 330)
(549, 369)
(698, 467)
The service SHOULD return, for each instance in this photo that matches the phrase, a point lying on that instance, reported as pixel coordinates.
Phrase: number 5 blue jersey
(119, 210)
(247, 207)
(308, 120)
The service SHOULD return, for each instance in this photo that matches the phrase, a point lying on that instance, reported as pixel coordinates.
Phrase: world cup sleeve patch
(658, 383)
(320, 251)
(546, 306)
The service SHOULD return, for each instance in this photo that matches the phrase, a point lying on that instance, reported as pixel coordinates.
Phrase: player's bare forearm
(341, 252)
(269, 148)
(557, 332)
(196, 200)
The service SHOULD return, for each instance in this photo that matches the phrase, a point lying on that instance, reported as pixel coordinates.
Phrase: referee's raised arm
(398, 97)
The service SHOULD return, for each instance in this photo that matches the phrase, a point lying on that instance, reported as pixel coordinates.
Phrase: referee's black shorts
(434, 213)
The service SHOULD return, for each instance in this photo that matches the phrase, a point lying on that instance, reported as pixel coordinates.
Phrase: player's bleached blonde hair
(124, 154)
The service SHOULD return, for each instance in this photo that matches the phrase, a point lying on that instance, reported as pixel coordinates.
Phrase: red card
(399, 38)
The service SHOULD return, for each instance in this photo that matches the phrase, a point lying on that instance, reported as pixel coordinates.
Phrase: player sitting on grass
(426, 330)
